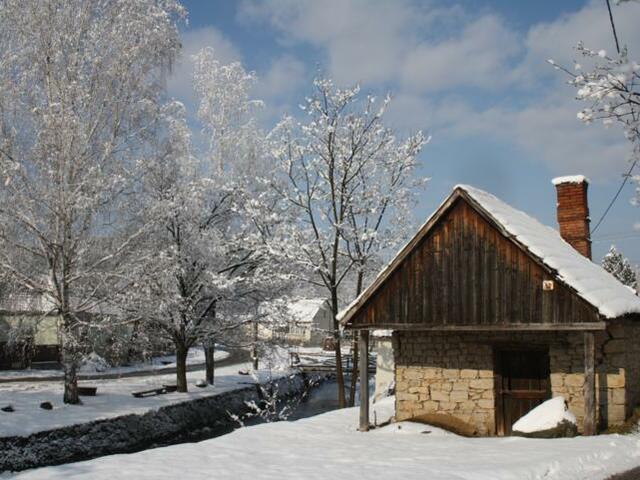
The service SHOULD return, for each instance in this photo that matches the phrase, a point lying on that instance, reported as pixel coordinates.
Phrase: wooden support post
(363, 346)
(589, 425)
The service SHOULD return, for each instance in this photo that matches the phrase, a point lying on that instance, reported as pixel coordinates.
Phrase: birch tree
(80, 85)
(333, 166)
(226, 110)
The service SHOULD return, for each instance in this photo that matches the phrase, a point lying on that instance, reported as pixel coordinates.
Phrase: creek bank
(192, 420)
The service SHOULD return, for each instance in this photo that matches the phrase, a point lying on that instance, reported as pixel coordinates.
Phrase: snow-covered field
(114, 399)
(195, 357)
(328, 446)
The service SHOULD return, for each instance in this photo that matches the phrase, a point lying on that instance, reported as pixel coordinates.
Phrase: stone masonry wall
(453, 373)
(441, 373)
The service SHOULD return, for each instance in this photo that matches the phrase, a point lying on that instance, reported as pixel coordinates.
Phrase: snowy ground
(114, 399)
(196, 356)
(328, 446)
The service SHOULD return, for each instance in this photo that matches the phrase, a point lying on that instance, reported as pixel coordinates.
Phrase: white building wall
(385, 366)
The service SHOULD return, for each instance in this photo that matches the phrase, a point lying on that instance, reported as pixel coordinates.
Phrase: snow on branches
(206, 263)
(80, 87)
(612, 89)
(346, 177)
(610, 86)
(226, 108)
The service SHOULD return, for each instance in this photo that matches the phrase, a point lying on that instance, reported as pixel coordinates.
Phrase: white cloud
(591, 25)
(281, 87)
(179, 84)
(364, 41)
(547, 131)
(285, 76)
(433, 57)
(478, 56)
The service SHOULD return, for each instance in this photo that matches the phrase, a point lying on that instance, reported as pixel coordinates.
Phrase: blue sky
(473, 74)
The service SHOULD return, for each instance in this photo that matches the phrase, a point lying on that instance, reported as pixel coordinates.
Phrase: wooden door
(522, 383)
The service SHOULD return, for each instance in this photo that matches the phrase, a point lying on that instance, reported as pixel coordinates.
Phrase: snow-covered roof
(382, 333)
(590, 281)
(305, 309)
(570, 179)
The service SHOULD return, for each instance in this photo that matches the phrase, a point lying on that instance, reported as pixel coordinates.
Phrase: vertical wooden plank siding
(363, 367)
(466, 272)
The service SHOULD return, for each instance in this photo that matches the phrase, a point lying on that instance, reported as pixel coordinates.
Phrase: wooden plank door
(522, 383)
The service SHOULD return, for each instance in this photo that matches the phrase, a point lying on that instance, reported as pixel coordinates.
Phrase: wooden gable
(463, 271)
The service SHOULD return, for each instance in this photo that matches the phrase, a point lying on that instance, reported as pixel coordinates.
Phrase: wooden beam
(535, 327)
(363, 367)
(589, 425)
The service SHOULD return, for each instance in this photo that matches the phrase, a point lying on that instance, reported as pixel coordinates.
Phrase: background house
(493, 312)
(306, 321)
(28, 331)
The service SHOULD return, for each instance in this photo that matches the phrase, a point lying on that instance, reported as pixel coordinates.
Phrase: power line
(626, 177)
(613, 27)
(614, 239)
(615, 197)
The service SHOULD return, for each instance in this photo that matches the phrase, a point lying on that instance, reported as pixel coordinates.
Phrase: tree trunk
(131, 351)
(355, 369)
(336, 338)
(209, 360)
(70, 359)
(254, 348)
(70, 365)
(181, 368)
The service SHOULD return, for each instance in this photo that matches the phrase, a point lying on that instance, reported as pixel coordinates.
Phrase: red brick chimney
(573, 212)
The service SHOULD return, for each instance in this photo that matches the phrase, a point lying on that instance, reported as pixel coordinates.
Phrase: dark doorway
(522, 383)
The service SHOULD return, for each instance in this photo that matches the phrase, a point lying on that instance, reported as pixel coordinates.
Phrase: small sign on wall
(547, 285)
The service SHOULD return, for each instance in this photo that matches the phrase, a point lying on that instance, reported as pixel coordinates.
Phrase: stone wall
(453, 373)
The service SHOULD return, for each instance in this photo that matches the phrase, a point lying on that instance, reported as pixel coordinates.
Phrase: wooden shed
(493, 312)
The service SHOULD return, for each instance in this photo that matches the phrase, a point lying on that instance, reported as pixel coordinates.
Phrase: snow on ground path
(195, 357)
(114, 399)
(328, 446)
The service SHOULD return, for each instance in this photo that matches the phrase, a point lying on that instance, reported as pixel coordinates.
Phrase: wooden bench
(150, 393)
(87, 391)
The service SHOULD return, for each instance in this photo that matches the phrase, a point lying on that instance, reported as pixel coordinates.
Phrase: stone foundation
(453, 373)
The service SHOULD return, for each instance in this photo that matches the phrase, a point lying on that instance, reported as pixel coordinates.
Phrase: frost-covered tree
(227, 110)
(189, 263)
(80, 83)
(205, 263)
(616, 264)
(379, 217)
(342, 173)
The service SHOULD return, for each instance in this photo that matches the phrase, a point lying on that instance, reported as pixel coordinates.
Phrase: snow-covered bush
(93, 363)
